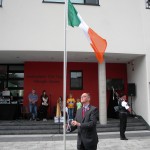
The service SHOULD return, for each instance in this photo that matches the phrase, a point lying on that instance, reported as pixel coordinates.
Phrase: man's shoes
(37, 119)
(31, 119)
(44, 119)
(123, 138)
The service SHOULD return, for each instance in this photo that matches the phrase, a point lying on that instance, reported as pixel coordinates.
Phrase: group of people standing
(72, 106)
(33, 99)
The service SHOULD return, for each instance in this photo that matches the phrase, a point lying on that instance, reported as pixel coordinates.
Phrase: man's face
(70, 95)
(6, 89)
(33, 91)
(124, 97)
(85, 98)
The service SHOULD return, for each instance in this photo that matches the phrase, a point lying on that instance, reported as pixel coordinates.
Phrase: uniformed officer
(123, 112)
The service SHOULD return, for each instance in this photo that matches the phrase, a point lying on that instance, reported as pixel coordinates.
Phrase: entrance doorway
(116, 77)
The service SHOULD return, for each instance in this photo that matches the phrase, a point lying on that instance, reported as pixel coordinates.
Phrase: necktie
(83, 112)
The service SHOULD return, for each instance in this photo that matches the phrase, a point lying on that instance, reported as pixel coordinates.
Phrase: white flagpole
(65, 70)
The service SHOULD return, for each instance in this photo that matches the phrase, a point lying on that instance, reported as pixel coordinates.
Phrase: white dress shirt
(125, 104)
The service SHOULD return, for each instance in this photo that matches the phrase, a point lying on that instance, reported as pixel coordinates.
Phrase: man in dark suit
(85, 121)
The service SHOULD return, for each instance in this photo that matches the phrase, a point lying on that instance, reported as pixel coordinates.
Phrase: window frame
(45, 1)
(1, 2)
(76, 88)
(7, 79)
(15, 80)
(5, 74)
(112, 82)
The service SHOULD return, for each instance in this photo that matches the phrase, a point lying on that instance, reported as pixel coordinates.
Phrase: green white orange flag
(98, 43)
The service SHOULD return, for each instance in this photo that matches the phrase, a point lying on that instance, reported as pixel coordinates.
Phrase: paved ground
(138, 140)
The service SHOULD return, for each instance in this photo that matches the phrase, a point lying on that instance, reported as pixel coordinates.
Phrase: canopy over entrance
(9, 57)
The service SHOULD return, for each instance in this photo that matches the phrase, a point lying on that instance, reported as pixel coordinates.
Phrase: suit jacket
(87, 134)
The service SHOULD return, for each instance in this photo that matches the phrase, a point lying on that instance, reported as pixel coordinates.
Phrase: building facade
(32, 35)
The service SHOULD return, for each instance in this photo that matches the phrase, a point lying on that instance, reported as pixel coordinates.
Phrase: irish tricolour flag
(98, 43)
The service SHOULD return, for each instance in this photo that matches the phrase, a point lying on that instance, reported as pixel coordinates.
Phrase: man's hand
(33, 102)
(129, 110)
(30, 100)
(66, 125)
(75, 123)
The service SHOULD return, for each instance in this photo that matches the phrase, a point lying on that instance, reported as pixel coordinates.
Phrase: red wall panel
(43, 76)
(49, 76)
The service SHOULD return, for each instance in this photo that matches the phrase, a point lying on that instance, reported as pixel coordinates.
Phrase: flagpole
(65, 70)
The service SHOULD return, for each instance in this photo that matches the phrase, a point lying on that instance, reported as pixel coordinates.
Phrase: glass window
(3, 71)
(12, 77)
(16, 75)
(78, 1)
(16, 68)
(117, 84)
(76, 80)
(92, 2)
(62, 1)
(15, 83)
(3, 84)
(17, 93)
(1, 3)
(85, 2)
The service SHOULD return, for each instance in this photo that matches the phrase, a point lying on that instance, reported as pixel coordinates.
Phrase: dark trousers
(43, 112)
(82, 147)
(123, 124)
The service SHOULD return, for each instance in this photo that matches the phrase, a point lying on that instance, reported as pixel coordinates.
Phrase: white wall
(146, 33)
(140, 78)
(32, 25)
(145, 13)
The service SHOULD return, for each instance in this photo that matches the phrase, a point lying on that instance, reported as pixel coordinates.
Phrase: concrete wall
(141, 102)
(146, 33)
(33, 25)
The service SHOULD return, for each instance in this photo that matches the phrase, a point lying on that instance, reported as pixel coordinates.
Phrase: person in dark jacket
(85, 121)
(44, 105)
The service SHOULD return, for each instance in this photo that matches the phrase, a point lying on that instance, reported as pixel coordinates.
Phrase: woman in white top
(44, 105)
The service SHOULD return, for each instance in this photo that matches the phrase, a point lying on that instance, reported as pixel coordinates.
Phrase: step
(56, 126)
(117, 124)
(39, 127)
(18, 132)
(114, 129)
(56, 131)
